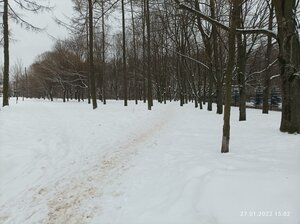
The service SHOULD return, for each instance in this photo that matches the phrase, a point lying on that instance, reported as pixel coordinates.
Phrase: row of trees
(287, 38)
(177, 50)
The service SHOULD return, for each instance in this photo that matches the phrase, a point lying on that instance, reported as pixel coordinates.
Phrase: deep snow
(65, 163)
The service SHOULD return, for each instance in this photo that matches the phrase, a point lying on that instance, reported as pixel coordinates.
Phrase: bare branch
(221, 25)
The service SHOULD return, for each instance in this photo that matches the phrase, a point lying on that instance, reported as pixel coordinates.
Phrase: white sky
(28, 44)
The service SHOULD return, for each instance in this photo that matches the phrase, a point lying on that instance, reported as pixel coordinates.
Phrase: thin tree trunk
(229, 70)
(27, 86)
(219, 94)
(241, 66)
(150, 98)
(124, 55)
(67, 95)
(266, 89)
(210, 88)
(199, 89)
(51, 94)
(6, 55)
(204, 87)
(91, 56)
(64, 94)
(208, 50)
(103, 87)
(144, 50)
(134, 55)
(87, 60)
(216, 64)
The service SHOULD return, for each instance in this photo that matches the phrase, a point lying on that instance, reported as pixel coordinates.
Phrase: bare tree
(124, 54)
(18, 80)
(231, 46)
(289, 58)
(134, 52)
(9, 12)
(267, 80)
(149, 75)
(91, 55)
(6, 55)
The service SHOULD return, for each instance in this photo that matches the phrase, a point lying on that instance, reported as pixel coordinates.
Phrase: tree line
(201, 51)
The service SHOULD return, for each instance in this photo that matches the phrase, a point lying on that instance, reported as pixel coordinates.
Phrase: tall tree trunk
(64, 94)
(241, 65)
(229, 70)
(144, 50)
(179, 78)
(219, 94)
(210, 89)
(103, 89)
(6, 55)
(216, 63)
(266, 89)
(150, 98)
(124, 55)
(289, 58)
(199, 88)
(204, 86)
(208, 50)
(51, 94)
(91, 56)
(87, 60)
(27, 86)
(68, 95)
(134, 55)
(200, 97)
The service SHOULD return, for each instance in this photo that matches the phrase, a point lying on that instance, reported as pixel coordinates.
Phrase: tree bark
(266, 89)
(134, 55)
(91, 56)
(124, 55)
(144, 50)
(87, 61)
(210, 89)
(208, 50)
(241, 65)
(150, 98)
(6, 55)
(289, 58)
(216, 65)
(103, 89)
(229, 70)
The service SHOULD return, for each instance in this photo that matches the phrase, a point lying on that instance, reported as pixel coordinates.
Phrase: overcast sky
(28, 45)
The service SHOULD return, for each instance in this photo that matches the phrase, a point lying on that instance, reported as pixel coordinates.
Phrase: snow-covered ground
(66, 163)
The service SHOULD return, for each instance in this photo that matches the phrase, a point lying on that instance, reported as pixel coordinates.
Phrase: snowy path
(64, 163)
(72, 194)
(77, 195)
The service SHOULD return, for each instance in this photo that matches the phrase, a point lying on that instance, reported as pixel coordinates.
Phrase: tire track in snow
(77, 200)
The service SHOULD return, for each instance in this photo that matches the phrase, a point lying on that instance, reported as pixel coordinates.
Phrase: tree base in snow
(225, 145)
